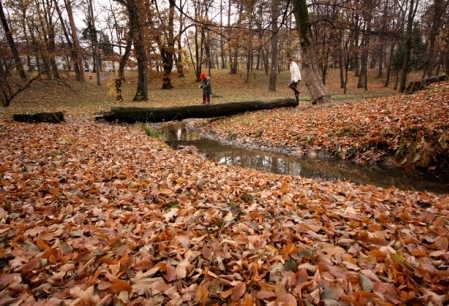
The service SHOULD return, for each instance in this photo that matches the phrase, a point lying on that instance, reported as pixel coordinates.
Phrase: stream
(177, 136)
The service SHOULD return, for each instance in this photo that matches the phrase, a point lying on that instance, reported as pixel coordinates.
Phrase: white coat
(294, 72)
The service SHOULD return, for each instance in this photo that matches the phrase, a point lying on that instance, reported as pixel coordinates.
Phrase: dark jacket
(206, 86)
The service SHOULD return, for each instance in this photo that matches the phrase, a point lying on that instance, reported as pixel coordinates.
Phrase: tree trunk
(389, 68)
(139, 114)
(50, 43)
(222, 52)
(135, 33)
(78, 69)
(180, 61)
(125, 56)
(167, 51)
(43, 36)
(11, 43)
(56, 117)
(408, 45)
(96, 54)
(317, 90)
(420, 84)
(274, 45)
(76, 45)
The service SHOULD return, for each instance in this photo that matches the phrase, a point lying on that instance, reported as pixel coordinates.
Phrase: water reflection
(329, 169)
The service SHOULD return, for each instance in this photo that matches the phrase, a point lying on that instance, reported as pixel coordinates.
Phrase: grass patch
(152, 131)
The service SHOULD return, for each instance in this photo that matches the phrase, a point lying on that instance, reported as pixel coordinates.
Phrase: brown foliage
(409, 130)
(99, 214)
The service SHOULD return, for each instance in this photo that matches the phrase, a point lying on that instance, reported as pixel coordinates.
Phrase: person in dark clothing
(207, 88)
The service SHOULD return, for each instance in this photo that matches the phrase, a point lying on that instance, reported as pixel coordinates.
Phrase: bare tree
(76, 50)
(274, 45)
(136, 36)
(413, 7)
(314, 83)
(12, 45)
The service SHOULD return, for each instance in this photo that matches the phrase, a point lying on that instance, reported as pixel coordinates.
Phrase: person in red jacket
(207, 88)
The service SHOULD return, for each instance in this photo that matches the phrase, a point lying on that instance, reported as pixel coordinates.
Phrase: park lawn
(84, 100)
(94, 213)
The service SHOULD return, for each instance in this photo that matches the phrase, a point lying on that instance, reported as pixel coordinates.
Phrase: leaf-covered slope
(411, 128)
(97, 214)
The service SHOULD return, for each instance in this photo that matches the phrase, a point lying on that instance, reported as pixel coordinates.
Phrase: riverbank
(182, 136)
(403, 130)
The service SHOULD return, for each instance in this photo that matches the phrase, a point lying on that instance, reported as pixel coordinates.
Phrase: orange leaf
(202, 294)
(379, 255)
(284, 188)
(41, 244)
(119, 285)
(54, 191)
(248, 300)
(288, 249)
(419, 253)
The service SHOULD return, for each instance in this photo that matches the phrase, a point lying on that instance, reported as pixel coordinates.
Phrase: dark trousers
(206, 99)
(294, 87)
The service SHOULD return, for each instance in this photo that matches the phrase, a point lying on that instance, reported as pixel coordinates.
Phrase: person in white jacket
(295, 77)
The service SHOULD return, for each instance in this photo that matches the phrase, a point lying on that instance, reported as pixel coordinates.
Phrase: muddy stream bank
(177, 136)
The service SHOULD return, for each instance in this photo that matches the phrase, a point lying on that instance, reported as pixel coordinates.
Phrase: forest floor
(94, 213)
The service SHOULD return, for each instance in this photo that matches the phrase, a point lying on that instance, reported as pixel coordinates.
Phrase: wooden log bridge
(55, 117)
(153, 114)
(420, 84)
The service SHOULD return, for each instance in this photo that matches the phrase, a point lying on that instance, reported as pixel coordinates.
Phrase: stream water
(176, 136)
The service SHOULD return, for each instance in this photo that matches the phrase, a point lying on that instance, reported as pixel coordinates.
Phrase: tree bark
(420, 84)
(274, 45)
(56, 117)
(96, 53)
(135, 33)
(50, 41)
(408, 45)
(139, 114)
(11, 43)
(76, 45)
(314, 83)
(167, 46)
(77, 68)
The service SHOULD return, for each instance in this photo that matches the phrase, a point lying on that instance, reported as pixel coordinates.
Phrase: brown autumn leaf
(109, 230)
(7, 279)
(85, 296)
(202, 295)
(388, 291)
(441, 243)
(238, 291)
(119, 285)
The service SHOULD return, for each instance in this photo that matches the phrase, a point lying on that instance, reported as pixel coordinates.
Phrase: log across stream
(178, 137)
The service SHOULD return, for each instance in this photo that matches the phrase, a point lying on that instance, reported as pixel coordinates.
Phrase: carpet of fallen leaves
(408, 130)
(101, 214)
